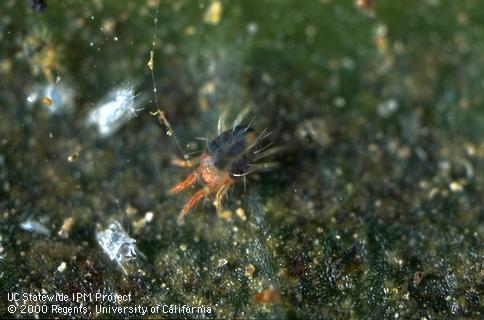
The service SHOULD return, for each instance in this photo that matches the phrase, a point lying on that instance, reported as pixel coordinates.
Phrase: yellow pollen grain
(213, 14)
(249, 270)
(190, 30)
(241, 214)
(455, 187)
(226, 215)
(151, 61)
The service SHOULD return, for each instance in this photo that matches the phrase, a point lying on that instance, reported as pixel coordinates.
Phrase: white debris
(62, 267)
(55, 97)
(387, 107)
(32, 97)
(117, 244)
(140, 223)
(339, 102)
(455, 186)
(34, 227)
(252, 28)
(222, 262)
(149, 216)
(112, 112)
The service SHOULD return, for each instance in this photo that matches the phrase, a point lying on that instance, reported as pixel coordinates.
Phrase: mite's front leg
(191, 203)
(190, 180)
(190, 163)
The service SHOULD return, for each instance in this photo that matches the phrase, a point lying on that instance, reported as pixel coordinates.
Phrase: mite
(229, 157)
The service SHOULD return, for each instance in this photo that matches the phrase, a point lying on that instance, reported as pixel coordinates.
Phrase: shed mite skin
(227, 158)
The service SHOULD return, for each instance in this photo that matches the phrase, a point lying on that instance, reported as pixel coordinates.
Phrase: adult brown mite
(229, 157)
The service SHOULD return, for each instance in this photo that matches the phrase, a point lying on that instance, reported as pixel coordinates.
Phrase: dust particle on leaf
(47, 101)
(73, 156)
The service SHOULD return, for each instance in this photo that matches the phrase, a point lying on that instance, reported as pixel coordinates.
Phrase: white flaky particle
(387, 107)
(455, 186)
(339, 102)
(34, 227)
(117, 108)
(62, 267)
(222, 262)
(252, 28)
(149, 216)
(120, 247)
(34, 96)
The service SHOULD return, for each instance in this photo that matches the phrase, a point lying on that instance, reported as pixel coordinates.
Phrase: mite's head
(233, 150)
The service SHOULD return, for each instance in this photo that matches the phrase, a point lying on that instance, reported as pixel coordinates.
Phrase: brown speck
(267, 296)
(404, 152)
(108, 26)
(73, 156)
(66, 227)
(249, 270)
(153, 3)
(208, 88)
(366, 6)
(161, 115)
(190, 30)
(47, 101)
(462, 18)
(314, 130)
(417, 277)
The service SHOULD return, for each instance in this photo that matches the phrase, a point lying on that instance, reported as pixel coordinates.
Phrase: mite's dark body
(229, 156)
(37, 5)
(233, 150)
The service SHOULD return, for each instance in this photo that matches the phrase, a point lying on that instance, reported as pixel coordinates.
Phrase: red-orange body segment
(214, 179)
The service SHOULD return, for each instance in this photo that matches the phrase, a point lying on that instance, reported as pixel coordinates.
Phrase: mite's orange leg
(191, 179)
(185, 163)
(193, 201)
(218, 197)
